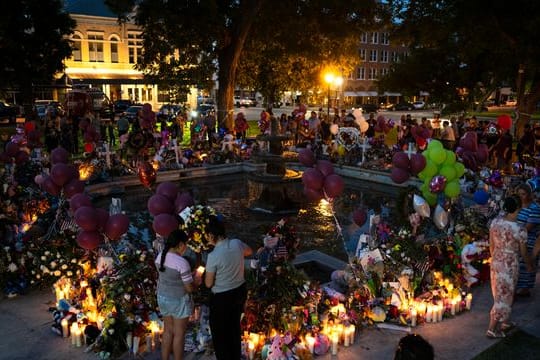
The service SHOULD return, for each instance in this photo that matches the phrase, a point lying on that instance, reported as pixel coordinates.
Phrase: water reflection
(315, 224)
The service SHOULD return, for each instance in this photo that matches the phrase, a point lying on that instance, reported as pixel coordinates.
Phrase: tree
(33, 37)
(492, 44)
(191, 41)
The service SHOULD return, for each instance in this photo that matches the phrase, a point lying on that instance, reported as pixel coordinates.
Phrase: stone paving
(25, 332)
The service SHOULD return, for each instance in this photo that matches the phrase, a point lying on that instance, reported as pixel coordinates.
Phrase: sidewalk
(25, 332)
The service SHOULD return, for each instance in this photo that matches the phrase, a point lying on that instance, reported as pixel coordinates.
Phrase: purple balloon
(325, 167)
(183, 200)
(313, 179)
(167, 189)
(399, 175)
(117, 225)
(164, 224)
(306, 157)
(87, 218)
(437, 184)
(160, 204)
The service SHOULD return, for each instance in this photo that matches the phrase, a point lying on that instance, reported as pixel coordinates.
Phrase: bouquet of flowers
(195, 220)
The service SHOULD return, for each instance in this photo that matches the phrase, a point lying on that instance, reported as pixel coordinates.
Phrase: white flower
(12, 267)
(52, 264)
(38, 276)
(73, 260)
(44, 269)
(69, 273)
(110, 331)
(127, 297)
(57, 273)
(47, 253)
(58, 256)
(64, 267)
(6, 248)
(43, 258)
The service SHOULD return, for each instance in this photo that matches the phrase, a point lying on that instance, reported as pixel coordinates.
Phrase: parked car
(131, 112)
(8, 113)
(369, 108)
(202, 110)
(419, 105)
(246, 102)
(121, 105)
(402, 106)
(168, 111)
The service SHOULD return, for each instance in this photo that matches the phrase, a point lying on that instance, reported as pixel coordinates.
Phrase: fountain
(275, 186)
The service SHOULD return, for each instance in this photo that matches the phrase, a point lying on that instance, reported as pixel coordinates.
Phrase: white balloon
(440, 217)
(334, 128)
(364, 126)
(357, 113)
(421, 206)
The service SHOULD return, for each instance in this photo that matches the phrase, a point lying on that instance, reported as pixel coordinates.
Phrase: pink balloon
(313, 179)
(49, 186)
(103, 217)
(306, 157)
(73, 187)
(333, 185)
(61, 174)
(87, 218)
(159, 204)
(418, 163)
(38, 179)
(313, 195)
(79, 200)
(399, 175)
(89, 240)
(325, 167)
(117, 225)
(183, 200)
(359, 217)
(59, 155)
(167, 189)
(401, 160)
(164, 224)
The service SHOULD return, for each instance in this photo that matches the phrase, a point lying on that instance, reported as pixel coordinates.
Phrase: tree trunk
(229, 57)
(526, 102)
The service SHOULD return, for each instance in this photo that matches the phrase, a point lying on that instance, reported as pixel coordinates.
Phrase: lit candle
(335, 340)
(200, 270)
(129, 340)
(346, 336)
(73, 334)
(429, 313)
(135, 348)
(414, 314)
(310, 340)
(251, 348)
(149, 343)
(64, 324)
(453, 307)
(352, 333)
(458, 307)
(468, 301)
(440, 311)
(78, 337)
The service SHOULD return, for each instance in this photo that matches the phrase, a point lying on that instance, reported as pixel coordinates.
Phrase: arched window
(76, 47)
(114, 48)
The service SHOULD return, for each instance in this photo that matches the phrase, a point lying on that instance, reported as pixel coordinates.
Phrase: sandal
(494, 334)
(507, 326)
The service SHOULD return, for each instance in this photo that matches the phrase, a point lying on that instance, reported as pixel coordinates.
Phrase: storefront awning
(359, 93)
(388, 93)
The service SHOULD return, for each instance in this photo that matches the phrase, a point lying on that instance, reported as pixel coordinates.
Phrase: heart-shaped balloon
(421, 206)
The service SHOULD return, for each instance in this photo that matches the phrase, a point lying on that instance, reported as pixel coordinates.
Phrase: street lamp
(337, 81)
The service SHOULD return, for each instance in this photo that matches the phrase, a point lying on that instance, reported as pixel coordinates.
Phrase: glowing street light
(331, 79)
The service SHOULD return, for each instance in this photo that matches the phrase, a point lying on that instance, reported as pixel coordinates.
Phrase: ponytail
(175, 237)
(163, 256)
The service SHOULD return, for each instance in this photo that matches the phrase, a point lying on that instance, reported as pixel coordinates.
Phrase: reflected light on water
(324, 207)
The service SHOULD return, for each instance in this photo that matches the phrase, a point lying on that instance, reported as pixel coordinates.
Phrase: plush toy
(228, 143)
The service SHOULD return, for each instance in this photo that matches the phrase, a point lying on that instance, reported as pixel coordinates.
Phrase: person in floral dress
(507, 239)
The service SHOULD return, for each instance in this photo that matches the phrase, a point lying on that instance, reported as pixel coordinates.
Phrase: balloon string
(340, 234)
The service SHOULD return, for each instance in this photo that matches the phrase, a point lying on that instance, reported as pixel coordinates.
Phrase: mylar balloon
(440, 217)
(147, 174)
(437, 184)
(421, 206)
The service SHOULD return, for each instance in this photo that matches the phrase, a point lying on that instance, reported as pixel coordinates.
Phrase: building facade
(377, 54)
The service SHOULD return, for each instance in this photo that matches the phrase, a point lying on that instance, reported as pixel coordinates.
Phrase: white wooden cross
(107, 154)
(176, 149)
(410, 150)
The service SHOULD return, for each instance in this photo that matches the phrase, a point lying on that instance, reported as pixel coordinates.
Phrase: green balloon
(435, 144)
(430, 197)
(438, 156)
(430, 170)
(449, 172)
(460, 169)
(452, 189)
(450, 158)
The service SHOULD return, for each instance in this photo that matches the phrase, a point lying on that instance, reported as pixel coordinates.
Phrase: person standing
(175, 284)
(529, 216)
(507, 239)
(448, 137)
(225, 277)
(240, 126)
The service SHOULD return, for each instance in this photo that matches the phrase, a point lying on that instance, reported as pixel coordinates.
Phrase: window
(363, 38)
(374, 37)
(114, 49)
(362, 54)
(372, 74)
(395, 56)
(384, 56)
(385, 38)
(76, 47)
(383, 71)
(95, 47)
(360, 73)
(373, 55)
(134, 47)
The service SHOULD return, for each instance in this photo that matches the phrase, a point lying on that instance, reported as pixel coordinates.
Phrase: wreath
(140, 139)
(195, 220)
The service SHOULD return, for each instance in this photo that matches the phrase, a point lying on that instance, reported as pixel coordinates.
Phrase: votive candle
(251, 348)
(414, 314)
(64, 324)
(310, 340)
(468, 301)
(335, 340)
(352, 333)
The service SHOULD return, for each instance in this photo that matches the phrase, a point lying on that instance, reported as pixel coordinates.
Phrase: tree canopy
(186, 43)
(33, 44)
(471, 47)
